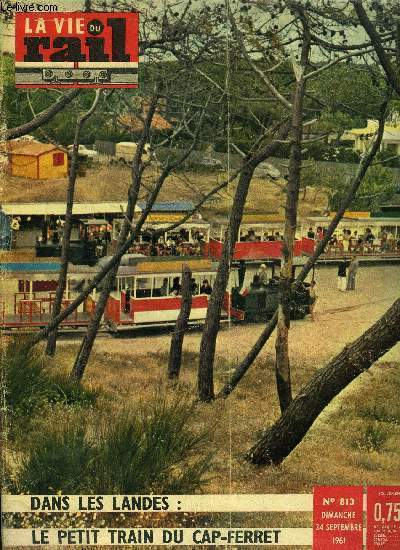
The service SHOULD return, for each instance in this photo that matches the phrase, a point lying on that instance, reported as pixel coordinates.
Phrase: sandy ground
(340, 318)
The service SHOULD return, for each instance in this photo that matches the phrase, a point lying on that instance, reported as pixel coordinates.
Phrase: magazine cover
(199, 274)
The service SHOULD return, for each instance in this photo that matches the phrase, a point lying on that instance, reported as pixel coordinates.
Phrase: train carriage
(29, 293)
(146, 293)
(260, 238)
(188, 239)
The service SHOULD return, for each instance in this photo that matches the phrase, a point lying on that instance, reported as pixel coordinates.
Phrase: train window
(125, 282)
(196, 284)
(160, 287)
(143, 287)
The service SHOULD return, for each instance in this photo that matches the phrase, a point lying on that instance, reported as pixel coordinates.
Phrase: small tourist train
(147, 286)
(147, 292)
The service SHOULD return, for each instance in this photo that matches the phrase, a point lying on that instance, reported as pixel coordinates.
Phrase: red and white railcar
(144, 294)
(260, 238)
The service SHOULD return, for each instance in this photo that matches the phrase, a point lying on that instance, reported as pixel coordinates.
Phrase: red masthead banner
(76, 50)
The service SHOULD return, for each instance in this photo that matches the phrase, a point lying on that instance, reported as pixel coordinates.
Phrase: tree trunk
(282, 362)
(85, 350)
(280, 440)
(269, 328)
(212, 322)
(175, 355)
(107, 285)
(205, 378)
(65, 246)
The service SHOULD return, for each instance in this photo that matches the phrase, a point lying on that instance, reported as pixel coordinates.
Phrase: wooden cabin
(36, 160)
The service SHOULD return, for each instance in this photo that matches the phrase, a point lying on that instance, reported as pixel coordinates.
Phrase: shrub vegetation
(151, 449)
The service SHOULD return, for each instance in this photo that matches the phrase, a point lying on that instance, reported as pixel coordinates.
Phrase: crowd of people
(251, 236)
(357, 242)
(176, 244)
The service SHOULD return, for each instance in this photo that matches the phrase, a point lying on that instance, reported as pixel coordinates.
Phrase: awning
(58, 208)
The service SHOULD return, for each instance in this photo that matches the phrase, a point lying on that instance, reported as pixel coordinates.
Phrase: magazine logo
(76, 50)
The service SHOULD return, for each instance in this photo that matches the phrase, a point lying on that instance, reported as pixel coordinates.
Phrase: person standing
(352, 272)
(342, 276)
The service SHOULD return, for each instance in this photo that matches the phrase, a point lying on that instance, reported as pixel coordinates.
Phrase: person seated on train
(197, 249)
(263, 275)
(271, 237)
(320, 233)
(251, 235)
(369, 237)
(193, 286)
(164, 287)
(384, 242)
(333, 240)
(176, 287)
(205, 287)
(183, 234)
(310, 233)
(278, 236)
(391, 241)
(55, 238)
(359, 239)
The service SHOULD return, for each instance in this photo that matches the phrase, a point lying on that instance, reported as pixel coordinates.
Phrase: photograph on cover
(200, 273)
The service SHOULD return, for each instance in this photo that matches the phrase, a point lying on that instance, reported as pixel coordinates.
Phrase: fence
(105, 147)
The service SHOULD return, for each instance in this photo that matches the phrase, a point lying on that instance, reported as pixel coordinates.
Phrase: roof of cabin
(32, 149)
